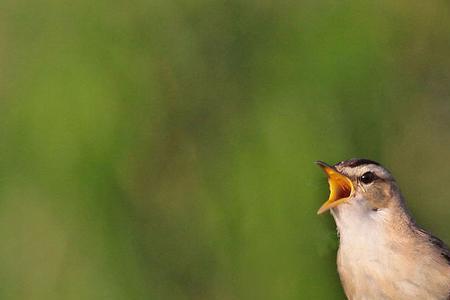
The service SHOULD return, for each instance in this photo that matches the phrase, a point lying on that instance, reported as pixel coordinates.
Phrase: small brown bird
(383, 253)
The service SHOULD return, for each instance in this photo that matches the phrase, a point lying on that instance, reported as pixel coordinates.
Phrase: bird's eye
(368, 177)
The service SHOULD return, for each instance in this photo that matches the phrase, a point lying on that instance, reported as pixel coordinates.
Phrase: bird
(383, 253)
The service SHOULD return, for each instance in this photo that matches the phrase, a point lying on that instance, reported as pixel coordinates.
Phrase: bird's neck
(361, 228)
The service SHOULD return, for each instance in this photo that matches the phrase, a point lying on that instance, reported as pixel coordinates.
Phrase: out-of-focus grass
(164, 149)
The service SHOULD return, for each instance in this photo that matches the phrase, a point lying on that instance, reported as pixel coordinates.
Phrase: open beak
(341, 187)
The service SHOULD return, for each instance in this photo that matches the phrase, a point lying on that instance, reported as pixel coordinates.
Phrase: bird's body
(382, 253)
(377, 261)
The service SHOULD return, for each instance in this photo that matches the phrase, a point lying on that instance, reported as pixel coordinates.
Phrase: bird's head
(359, 182)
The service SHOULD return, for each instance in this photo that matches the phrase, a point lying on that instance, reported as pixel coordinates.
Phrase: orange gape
(341, 187)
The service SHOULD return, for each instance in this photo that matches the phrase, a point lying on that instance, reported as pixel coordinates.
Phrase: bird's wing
(437, 243)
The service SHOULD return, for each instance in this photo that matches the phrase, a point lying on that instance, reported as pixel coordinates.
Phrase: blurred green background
(164, 149)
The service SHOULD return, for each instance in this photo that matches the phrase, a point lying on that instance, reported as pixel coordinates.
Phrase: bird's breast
(375, 262)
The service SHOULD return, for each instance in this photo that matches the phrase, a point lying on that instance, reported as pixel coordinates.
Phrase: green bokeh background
(164, 149)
